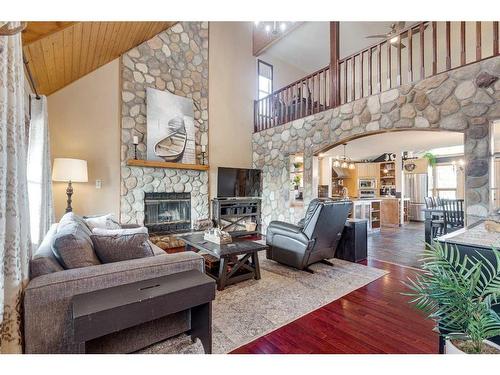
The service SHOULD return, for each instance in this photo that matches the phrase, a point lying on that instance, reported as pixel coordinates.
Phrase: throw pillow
(102, 221)
(73, 248)
(104, 232)
(117, 248)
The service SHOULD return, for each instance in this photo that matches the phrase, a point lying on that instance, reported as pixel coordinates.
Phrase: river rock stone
(454, 122)
(389, 96)
(484, 79)
(450, 106)
(176, 60)
(408, 111)
(438, 95)
(465, 90)
(420, 101)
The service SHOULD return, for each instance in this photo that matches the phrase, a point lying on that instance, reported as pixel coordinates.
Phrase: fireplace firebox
(167, 212)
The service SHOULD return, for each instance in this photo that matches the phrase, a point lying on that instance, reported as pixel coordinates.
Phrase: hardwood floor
(403, 245)
(373, 319)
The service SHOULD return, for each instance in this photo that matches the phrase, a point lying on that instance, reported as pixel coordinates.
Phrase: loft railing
(301, 98)
(419, 51)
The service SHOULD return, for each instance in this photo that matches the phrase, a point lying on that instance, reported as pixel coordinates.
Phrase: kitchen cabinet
(390, 212)
(368, 210)
(368, 170)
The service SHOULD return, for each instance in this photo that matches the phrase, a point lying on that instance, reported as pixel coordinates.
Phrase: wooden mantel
(164, 164)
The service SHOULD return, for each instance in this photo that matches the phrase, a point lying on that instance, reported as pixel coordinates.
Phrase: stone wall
(175, 60)
(451, 101)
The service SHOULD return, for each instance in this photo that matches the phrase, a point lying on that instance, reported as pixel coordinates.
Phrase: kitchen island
(383, 211)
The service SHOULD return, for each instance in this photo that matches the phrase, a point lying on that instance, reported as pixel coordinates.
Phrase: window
(445, 181)
(265, 78)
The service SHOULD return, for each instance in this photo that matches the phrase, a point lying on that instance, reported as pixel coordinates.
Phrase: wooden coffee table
(238, 260)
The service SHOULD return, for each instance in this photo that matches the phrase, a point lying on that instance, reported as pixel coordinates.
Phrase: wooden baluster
(319, 92)
(398, 62)
(279, 108)
(448, 45)
(353, 78)
(301, 95)
(422, 50)
(268, 120)
(285, 104)
(254, 117)
(379, 67)
(495, 38)
(269, 110)
(328, 97)
(324, 90)
(389, 64)
(462, 43)
(361, 75)
(306, 93)
(410, 55)
(370, 76)
(313, 89)
(478, 40)
(434, 48)
(296, 111)
(345, 80)
(308, 106)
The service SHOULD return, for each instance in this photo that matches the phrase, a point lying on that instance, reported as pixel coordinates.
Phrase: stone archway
(452, 101)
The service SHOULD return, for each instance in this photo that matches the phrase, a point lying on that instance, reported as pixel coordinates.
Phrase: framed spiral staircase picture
(170, 127)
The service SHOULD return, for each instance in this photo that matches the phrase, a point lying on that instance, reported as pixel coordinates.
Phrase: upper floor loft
(332, 63)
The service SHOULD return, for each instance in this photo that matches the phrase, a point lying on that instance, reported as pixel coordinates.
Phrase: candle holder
(135, 141)
(135, 151)
(203, 155)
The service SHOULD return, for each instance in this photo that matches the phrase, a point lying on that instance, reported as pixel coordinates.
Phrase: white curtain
(15, 243)
(39, 175)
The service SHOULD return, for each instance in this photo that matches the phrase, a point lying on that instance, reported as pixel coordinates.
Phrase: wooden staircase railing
(417, 52)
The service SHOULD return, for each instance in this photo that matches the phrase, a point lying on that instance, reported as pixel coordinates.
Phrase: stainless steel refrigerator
(415, 188)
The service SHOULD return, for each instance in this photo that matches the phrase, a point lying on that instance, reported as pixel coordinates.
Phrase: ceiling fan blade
(377, 36)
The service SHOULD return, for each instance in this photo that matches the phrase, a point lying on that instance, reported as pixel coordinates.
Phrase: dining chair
(453, 214)
(437, 222)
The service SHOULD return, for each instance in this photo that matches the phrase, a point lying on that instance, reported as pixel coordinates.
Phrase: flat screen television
(238, 182)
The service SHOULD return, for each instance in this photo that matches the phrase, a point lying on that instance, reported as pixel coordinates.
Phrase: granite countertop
(476, 235)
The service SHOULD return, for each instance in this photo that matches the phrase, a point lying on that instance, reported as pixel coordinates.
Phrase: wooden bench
(101, 312)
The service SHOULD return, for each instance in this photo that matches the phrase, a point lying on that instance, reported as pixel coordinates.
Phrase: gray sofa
(47, 300)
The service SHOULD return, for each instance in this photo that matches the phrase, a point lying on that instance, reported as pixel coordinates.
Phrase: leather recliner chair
(314, 239)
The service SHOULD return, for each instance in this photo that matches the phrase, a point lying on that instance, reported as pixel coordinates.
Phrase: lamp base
(69, 193)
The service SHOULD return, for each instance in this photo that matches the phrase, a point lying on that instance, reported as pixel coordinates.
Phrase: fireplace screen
(167, 212)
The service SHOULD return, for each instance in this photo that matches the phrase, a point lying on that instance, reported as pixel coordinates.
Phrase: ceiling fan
(392, 36)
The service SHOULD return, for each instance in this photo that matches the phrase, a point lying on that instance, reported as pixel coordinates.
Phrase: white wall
(232, 90)
(84, 124)
(283, 72)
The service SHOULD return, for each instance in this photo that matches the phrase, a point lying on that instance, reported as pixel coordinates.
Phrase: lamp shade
(74, 170)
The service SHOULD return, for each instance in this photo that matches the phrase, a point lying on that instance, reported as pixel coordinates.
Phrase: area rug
(250, 309)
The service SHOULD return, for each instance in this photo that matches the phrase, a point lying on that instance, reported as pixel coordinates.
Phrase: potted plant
(431, 158)
(459, 293)
(296, 181)
(297, 165)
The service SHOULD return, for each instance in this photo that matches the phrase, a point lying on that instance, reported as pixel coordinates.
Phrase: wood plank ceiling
(59, 53)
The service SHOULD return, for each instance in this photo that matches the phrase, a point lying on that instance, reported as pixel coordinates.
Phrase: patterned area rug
(250, 309)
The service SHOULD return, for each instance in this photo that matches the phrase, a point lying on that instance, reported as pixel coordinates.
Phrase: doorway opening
(389, 177)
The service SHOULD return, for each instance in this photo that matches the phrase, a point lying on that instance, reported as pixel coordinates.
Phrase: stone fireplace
(175, 60)
(167, 213)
